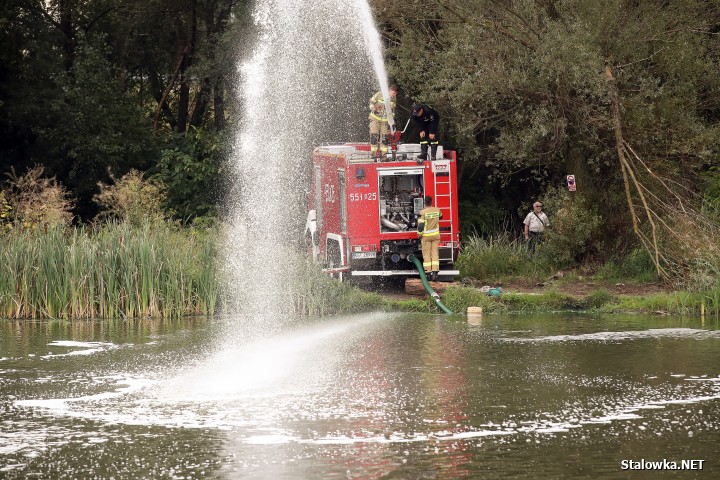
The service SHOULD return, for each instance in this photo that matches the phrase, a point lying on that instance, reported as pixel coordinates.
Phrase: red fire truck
(363, 211)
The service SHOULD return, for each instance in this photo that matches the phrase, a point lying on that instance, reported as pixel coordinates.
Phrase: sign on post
(571, 182)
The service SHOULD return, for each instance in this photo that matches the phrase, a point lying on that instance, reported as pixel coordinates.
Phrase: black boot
(433, 276)
(433, 152)
(423, 152)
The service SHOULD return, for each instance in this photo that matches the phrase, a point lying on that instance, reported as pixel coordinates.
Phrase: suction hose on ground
(428, 288)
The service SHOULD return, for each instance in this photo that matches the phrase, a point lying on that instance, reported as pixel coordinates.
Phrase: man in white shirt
(535, 224)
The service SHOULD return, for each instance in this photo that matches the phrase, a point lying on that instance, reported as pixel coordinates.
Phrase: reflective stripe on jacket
(376, 100)
(429, 221)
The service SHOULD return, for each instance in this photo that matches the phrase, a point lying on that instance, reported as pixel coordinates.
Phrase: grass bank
(459, 298)
(501, 259)
(117, 270)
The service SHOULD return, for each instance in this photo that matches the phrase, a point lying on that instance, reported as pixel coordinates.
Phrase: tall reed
(112, 271)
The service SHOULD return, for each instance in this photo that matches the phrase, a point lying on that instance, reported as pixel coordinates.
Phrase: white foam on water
(621, 336)
(395, 437)
(227, 395)
(85, 348)
(271, 439)
(75, 343)
(209, 392)
(632, 412)
(125, 385)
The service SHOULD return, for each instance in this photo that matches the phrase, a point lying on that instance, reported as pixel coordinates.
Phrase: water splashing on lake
(307, 82)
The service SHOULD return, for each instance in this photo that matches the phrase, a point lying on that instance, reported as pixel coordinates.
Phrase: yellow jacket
(429, 222)
(376, 113)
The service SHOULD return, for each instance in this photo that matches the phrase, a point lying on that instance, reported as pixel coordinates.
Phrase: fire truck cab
(363, 211)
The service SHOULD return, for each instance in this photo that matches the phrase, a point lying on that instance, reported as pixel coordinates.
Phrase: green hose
(428, 288)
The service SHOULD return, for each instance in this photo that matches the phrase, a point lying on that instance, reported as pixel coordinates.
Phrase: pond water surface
(365, 396)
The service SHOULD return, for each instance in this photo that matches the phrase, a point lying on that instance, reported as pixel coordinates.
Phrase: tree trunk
(216, 27)
(202, 99)
(651, 245)
(189, 49)
(219, 106)
(65, 10)
(161, 96)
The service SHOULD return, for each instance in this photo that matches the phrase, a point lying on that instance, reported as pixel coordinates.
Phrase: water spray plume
(375, 52)
(306, 82)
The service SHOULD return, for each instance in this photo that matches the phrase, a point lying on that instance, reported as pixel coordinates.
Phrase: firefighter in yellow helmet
(429, 232)
(379, 122)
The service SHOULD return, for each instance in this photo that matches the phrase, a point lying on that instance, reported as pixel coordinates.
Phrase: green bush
(711, 192)
(192, 171)
(317, 294)
(575, 227)
(676, 303)
(458, 299)
(34, 201)
(550, 301)
(132, 199)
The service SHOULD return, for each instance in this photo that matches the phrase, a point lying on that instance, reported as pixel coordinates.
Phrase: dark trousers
(534, 239)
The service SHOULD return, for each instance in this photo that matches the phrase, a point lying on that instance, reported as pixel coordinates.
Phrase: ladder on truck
(444, 201)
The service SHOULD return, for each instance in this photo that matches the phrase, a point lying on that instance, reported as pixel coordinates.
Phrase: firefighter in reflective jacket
(429, 232)
(379, 121)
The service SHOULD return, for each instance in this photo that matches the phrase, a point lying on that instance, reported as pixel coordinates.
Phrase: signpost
(571, 182)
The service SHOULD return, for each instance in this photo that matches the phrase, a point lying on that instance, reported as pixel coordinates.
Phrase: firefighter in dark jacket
(427, 120)
(429, 232)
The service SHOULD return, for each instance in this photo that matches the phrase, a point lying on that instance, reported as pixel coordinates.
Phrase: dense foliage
(526, 89)
(90, 89)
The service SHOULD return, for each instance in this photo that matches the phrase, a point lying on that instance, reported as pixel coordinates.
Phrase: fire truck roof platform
(360, 152)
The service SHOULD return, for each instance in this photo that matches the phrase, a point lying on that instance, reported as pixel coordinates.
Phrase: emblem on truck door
(329, 193)
(441, 166)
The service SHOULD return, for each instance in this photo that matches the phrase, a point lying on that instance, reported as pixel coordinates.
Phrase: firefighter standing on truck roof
(429, 232)
(427, 120)
(379, 122)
